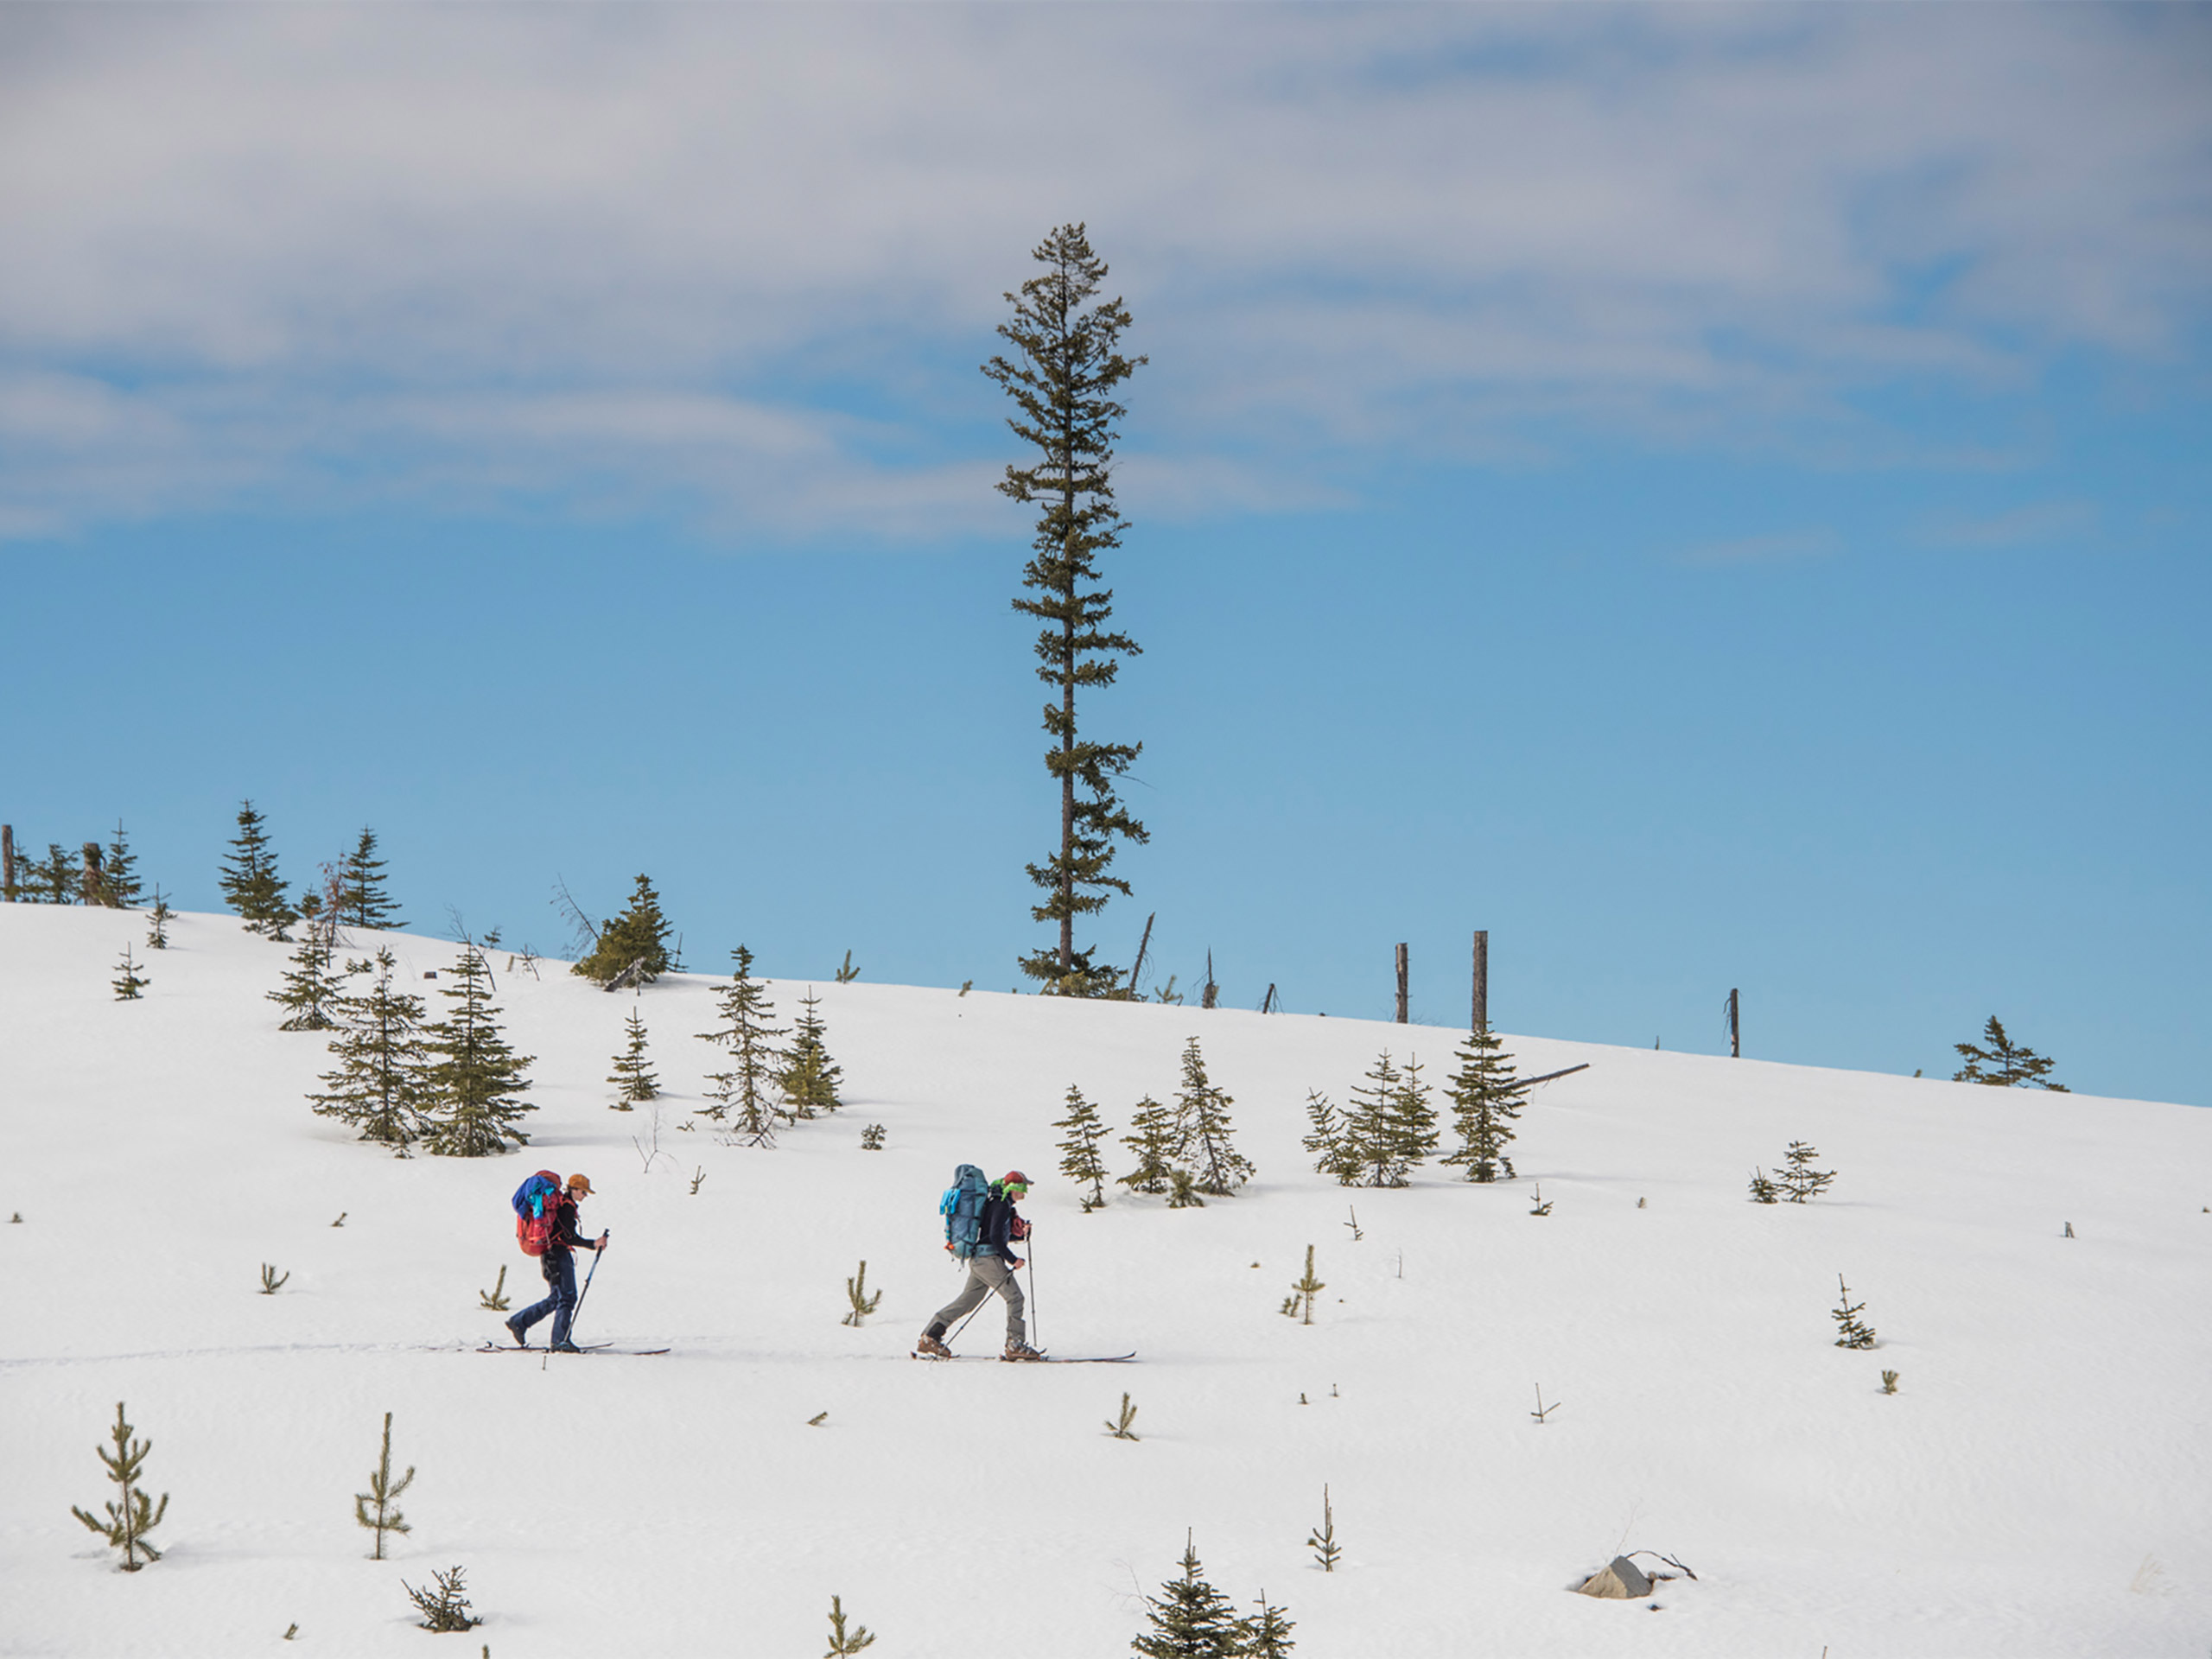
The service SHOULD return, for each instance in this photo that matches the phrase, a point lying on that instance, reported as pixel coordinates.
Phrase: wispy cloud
(2042, 521)
(748, 256)
(1787, 547)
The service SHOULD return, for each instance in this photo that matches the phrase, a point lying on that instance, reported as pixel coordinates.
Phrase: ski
(1049, 1359)
(582, 1348)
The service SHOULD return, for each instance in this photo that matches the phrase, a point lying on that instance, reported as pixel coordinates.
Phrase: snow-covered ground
(2040, 1484)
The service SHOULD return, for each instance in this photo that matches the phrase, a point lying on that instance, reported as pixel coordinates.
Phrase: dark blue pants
(559, 1268)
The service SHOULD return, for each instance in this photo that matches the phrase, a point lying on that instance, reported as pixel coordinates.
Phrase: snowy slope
(2041, 1482)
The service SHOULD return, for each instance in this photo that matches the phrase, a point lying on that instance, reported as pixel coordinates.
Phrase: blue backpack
(537, 1202)
(961, 1206)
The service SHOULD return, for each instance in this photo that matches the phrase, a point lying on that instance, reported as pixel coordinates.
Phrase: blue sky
(1715, 497)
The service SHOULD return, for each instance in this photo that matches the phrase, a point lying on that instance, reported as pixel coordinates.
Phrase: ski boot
(1021, 1350)
(929, 1348)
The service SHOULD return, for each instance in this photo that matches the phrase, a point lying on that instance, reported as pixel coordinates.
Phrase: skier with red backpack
(980, 1227)
(545, 1223)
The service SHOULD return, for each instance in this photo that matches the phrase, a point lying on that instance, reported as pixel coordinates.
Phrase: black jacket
(998, 1228)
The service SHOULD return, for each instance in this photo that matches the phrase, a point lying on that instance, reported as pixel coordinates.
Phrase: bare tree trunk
(7, 861)
(1267, 1002)
(1143, 945)
(1735, 1027)
(1482, 981)
(1402, 984)
(1212, 991)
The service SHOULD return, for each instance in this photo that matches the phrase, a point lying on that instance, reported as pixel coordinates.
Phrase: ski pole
(577, 1313)
(1036, 1330)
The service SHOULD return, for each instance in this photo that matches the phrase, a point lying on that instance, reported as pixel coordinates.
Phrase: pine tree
(1067, 363)
(1079, 1159)
(131, 1515)
(364, 901)
(748, 1087)
(1486, 1100)
(54, 878)
(809, 1078)
(1330, 1141)
(1202, 1130)
(2015, 1068)
(1851, 1331)
(1190, 1618)
(379, 1084)
(1412, 1120)
(638, 938)
(633, 1079)
(1801, 1181)
(131, 981)
(474, 1081)
(310, 989)
(1151, 1137)
(1266, 1633)
(842, 1641)
(1372, 1125)
(119, 875)
(249, 882)
(157, 923)
(383, 1490)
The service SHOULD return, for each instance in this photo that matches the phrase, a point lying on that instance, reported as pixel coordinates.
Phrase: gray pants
(985, 1274)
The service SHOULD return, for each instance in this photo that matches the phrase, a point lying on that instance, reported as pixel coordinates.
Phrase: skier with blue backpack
(981, 1229)
(546, 1224)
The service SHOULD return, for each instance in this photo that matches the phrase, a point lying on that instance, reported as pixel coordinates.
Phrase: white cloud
(688, 242)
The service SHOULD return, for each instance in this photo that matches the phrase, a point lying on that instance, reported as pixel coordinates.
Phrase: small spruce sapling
(1764, 1191)
(157, 923)
(747, 1088)
(1190, 1618)
(846, 973)
(1120, 1429)
(1801, 1181)
(634, 944)
(130, 983)
(1183, 1192)
(131, 1515)
(445, 1607)
(1299, 1303)
(1266, 1634)
(1079, 1159)
(842, 1641)
(310, 990)
(477, 1092)
(633, 1078)
(1151, 1137)
(2002, 1065)
(119, 878)
(1889, 1382)
(1202, 1129)
(809, 1078)
(378, 1083)
(1486, 1100)
(362, 900)
(495, 1300)
(382, 1493)
(249, 882)
(1851, 1331)
(271, 1281)
(1322, 1540)
(1542, 1206)
(1330, 1141)
(872, 1138)
(856, 1294)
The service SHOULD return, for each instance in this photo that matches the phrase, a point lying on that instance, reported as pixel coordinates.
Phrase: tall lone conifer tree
(1066, 365)
(1486, 1097)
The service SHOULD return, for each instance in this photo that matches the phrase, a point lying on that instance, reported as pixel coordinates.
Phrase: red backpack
(537, 1208)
